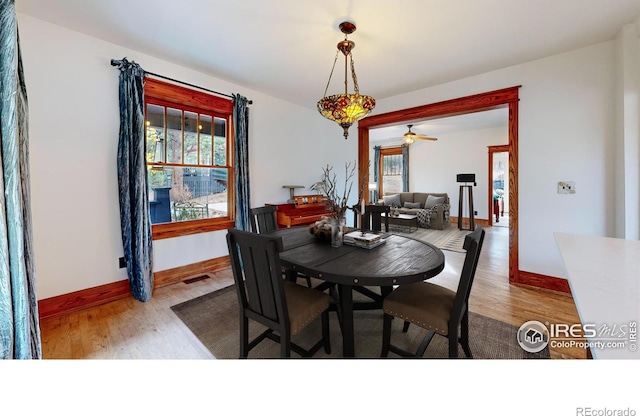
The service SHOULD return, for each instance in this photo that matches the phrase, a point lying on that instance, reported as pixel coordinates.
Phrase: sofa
(432, 209)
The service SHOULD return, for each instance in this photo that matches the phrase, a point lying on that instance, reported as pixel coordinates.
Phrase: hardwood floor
(129, 329)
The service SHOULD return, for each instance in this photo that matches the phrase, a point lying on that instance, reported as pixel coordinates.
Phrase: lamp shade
(346, 109)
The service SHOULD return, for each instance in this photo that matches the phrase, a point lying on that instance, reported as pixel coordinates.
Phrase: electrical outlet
(475, 212)
(122, 263)
(567, 187)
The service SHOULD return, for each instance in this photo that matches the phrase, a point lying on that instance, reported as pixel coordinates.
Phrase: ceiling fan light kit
(345, 109)
(410, 137)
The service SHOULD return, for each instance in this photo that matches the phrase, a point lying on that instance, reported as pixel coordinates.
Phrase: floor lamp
(466, 178)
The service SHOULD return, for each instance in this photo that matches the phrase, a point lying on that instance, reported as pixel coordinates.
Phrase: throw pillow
(424, 218)
(432, 201)
(412, 205)
(392, 200)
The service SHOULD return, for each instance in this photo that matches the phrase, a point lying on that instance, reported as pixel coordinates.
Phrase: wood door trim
(490, 100)
(492, 150)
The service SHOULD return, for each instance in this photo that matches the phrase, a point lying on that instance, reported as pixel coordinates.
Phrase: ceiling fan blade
(421, 137)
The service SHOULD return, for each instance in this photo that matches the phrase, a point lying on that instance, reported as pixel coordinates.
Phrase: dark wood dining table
(398, 261)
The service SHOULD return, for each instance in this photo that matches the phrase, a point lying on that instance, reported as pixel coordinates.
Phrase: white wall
(627, 134)
(566, 132)
(566, 128)
(433, 165)
(73, 125)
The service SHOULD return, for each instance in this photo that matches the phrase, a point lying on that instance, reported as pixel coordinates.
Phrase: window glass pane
(206, 145)
(392, 174)
(184, 194)
(393, 165)
(174, 135)
(220, 142)
(190, 138)
(155, 133)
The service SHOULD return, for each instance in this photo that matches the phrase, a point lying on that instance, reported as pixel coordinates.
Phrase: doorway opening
(498, 175)
(507, 97)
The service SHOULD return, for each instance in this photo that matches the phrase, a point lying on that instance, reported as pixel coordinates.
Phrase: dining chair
(264, 220)
(372, 220)
(264, 296)
(435, 308)
(372, 217)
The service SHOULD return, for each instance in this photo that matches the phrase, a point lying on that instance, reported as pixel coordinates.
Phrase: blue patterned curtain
(135, 222)
(405, 168)
(376, 172)
(241, 162)
(19, 326)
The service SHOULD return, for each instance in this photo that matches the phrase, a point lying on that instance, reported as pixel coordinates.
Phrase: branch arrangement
(337, 203)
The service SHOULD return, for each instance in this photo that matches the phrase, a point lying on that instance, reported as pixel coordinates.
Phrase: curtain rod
(391, 146)
(115, 62)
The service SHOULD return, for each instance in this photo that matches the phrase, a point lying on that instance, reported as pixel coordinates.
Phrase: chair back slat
(473, 245)
(257, 273)
(263, 219)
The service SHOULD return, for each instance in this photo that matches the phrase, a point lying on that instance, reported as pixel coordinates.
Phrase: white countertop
(604, 276)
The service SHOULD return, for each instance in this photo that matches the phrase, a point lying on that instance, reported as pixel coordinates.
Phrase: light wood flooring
(129, 329)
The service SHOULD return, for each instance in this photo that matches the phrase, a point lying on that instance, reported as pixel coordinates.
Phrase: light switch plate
(566, 187)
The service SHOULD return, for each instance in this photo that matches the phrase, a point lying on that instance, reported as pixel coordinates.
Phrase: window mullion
(182, 149)
(198, 125)
(165, 135)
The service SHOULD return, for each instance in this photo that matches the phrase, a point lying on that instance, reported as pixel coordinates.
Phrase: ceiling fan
(410, 137)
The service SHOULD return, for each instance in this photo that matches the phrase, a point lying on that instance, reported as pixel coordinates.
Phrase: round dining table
(400, 260)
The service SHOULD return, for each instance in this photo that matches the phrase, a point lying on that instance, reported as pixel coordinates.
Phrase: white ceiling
(285, 48)
(442, 126)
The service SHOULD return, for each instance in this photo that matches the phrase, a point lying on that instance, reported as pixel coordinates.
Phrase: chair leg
(285, 345)
(325, 331)
(464, 335)
(453, 345)
(386, 335)
(405, 326)
(308, 281)
(422, 348)
(244, 336)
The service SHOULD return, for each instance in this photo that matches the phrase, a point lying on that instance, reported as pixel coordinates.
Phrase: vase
(337, 228)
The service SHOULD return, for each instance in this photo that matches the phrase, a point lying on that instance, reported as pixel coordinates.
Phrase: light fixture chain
(331, 74)
(353, 75)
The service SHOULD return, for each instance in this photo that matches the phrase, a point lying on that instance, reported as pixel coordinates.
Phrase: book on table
(367, 246)
(363, 239)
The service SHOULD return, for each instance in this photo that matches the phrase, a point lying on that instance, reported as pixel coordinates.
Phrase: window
(390, 168)
(189, 149)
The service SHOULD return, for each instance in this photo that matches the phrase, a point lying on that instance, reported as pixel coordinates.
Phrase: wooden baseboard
(82, 299)
(542, 281)
(465, 221)
(178, 274)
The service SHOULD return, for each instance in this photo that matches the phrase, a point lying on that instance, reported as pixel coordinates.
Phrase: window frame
(165, 94)
(387, 151)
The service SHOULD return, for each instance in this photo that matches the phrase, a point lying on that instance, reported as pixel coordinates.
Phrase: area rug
(213, 318)
(450, 238)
